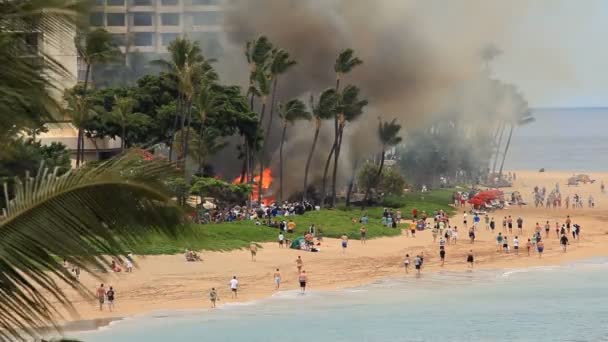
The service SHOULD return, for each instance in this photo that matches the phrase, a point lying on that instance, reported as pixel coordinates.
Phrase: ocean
(556, 303)
(561, 139)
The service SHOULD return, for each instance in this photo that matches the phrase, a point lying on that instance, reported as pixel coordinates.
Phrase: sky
(557, 53)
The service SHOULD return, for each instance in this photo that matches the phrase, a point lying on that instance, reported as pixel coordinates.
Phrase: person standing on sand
(547, 229)
(441, 243)
(557, 229)
(476, 220)
(529, 246)
(504, 224)
(363, 233)
(499, 239)
(455, 235)
(101, 296)
(564, 242)
(470, 258)
(510, 224)
(492, 225)
(568, 222)
(516, 245)
(486, 220)
(281, 239)
(213, 297)
(110, 295)
(254, 250)
(234, 287)
(406, 263)
(464, 218)
(303, 278)
(472, 235)
(540, 247)
(299, 264)
(520, 225)
(418, 264)
(505, 244)
(442, 255)
(344, 243)
(277, 278)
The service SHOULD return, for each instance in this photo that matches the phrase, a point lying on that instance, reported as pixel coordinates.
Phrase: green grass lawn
(333, 223)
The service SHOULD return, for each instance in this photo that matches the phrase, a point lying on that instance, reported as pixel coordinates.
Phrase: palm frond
(346, 61)
(80, 216)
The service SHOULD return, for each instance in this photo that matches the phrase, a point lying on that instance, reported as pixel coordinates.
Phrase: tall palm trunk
(335, 173)
(327, 163)
(281, 164)
(309, 159)
(351, 183)
(86, 79)
(504, 155)
(78, 147)
(123, 141)
(80, 139)
(187, 133)
(261, 175)
(502, 129)
(336, 150)
(200, 143)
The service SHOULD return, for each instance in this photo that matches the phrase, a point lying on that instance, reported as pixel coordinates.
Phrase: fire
(266, 183)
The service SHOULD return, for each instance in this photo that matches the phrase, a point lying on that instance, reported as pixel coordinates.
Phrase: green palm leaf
(80, 216)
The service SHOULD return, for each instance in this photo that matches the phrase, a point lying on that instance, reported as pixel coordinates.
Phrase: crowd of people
(554, 199)
(262, 213)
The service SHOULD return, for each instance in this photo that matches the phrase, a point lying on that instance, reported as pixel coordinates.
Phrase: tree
(82, 217)
(388, 136)
(323, 110)
(80, 109)
(95, 47)
(290, 112)
(207, 101)
(122, 115)
(223, 192)
(257, 52)
(521, 116)
(263, 86)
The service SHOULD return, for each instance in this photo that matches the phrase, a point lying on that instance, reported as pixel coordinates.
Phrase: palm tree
(257, 52)
(349, 107)
(122, 114)
(521, 116)
(207, 101)
(290, 112)
(82, 217)
(95, 47)
(388, 136)
(323, 110)
(345, 63)
(80, 109)
(280, 63)
(262, 78)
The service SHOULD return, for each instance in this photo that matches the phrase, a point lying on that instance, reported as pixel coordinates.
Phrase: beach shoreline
(167, 283)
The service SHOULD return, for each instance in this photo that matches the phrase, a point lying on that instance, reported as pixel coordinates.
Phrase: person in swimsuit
(516, 245)
(568, 222)
(510, 224)
(442, 255)
(540, 247)
(470, 258)
(529, 246)
(254, 250)
(299, 264)
(492, 224)
(363, 233)
(213, 297)
(101, 296)
(564, 242)
(520, 225)
(303, 278)
(505, 244)
(557, 229)
(277, 278)
(498, 242)
(110, 296)
(547, 229)
(234, 287)
(417, 264)
(344, 243)
(406, 263)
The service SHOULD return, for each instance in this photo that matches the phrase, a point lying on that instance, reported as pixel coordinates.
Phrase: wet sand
(169, 282)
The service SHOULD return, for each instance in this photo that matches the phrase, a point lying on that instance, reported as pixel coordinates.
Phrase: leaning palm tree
(95, 47)
(279, 64)
(82, 216)
(521, 116)
(263, 79)
(324, 109)
(258, 52)
(290, 112)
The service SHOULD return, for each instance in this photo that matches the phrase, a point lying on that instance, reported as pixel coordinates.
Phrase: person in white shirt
(516, 245)
(281, 240)
(234, 286)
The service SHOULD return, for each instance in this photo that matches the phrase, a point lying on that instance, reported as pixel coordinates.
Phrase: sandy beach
(169, 282)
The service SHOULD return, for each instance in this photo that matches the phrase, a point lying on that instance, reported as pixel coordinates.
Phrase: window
(207, 18)
(115, 2)
(167, 38)
(119, 39)
(142, 19)
(169, 2)
(205, 2)
(170, 19)
(96, 19)
(143, 39)
(142, 2)
(115, 19)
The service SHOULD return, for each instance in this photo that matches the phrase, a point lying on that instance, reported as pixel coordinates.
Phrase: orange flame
(266, 183)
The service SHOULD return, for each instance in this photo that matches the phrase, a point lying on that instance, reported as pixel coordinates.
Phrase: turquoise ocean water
(571, 139)
(562, 303)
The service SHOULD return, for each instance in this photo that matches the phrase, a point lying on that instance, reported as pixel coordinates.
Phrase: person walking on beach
(504, 224)
(455, 235)
(234, 287)
(441, 243)
(540, 247)
(464, 219)
(303, 278)
(417, 264)
(486, 220)
(568, 222)
(253, 248)
(529, 246)
(344, 243)
(406, 263)
(547, 229)
(277, 278)
(499, 239)
(472, 235)
(510, 224)
(557, 229)
(516, 245)
(442, 255)
(299, 264)
(520, 225)
(470, 258)
(101, 296)
(476, 220)
(281, 239)
(213, 297)
(363, 234)
(110, 295)
(564, 242)
(505, 245)
(492, 225)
